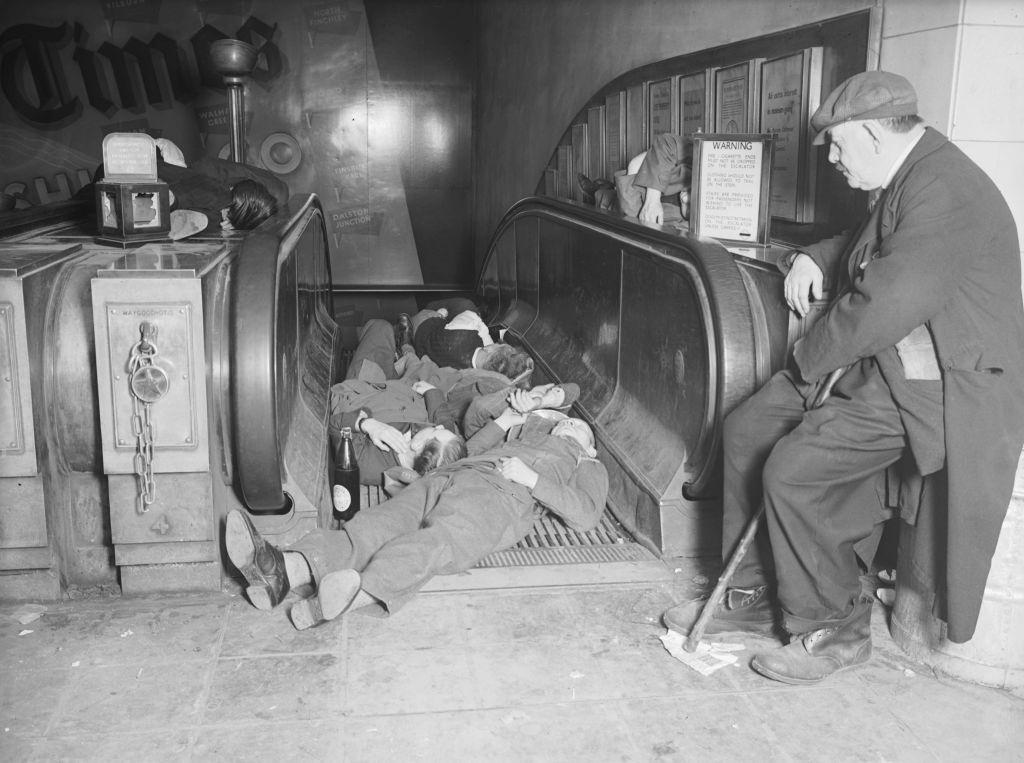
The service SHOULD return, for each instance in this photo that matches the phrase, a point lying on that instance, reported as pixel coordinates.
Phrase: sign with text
(736, 97)
(694, 103)
(596, 140)
(731, 186)
(615, 132)
(790, 90)
(129, 155)
(659, 101)
(580, 160)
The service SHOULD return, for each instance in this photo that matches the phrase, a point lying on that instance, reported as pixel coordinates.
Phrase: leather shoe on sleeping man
(403, 331)
(260, 563)
(334, 595)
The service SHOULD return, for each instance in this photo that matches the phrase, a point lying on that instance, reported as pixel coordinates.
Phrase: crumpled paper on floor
(708, 657)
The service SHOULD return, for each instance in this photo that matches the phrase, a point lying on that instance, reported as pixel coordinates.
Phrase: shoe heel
(259, 597)
(307, 613)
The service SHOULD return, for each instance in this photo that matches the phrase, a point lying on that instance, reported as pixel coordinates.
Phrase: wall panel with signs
(789, 95)
(580, 160)
(693, 103)
(615, 133)
(660, 102)
(596, 140)
(732, 89)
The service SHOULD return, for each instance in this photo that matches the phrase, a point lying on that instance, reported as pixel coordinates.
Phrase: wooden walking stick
(749, 533)
(697, 631)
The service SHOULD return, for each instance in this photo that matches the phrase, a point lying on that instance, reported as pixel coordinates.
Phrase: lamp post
(234, 61)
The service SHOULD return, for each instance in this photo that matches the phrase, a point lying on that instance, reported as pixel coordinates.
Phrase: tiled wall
(966, 59)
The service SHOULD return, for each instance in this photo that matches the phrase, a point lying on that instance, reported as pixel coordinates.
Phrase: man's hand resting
(521, 401)
(384, 436)
(515, 470)
(803, 282)
(509, 418)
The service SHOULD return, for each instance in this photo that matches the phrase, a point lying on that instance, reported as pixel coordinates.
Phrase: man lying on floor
(442, 524)
(414, 425)
(395, 424)
(452, 333)
(485, 408)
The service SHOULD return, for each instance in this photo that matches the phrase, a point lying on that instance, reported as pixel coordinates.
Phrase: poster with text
(788, 84)
(730, 190)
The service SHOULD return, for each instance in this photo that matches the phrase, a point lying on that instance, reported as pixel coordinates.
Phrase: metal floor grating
(551, 542)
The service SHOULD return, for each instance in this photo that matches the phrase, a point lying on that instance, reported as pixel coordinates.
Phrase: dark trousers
(375, 354)
(821, 476)
(441, 524)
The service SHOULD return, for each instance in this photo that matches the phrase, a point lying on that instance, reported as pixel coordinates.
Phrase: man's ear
(876, 131)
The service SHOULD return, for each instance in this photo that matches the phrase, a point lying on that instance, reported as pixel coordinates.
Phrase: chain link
(142, 422)
(142, 428)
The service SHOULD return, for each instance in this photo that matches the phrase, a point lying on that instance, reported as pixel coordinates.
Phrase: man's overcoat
(940, 249)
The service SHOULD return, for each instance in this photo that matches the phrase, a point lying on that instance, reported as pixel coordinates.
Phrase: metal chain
(142, 422)
(142, 428)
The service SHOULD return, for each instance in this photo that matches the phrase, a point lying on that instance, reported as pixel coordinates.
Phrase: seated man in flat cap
(922, 348)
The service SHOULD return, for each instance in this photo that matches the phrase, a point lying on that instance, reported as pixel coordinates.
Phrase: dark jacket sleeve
(485, 439)
(439, 412)
(827, 255)
(666, 167)
(580, 502)
(371, 459)
(483, 410)
(911, 278)
(226, 174)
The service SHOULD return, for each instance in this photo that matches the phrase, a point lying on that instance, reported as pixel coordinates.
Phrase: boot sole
(334, 595)
(769, 673)
(241, 550)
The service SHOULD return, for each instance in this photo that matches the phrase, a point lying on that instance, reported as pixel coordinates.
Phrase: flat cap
(868, 95)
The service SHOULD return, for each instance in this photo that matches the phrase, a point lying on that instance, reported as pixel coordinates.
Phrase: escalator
(664, 333)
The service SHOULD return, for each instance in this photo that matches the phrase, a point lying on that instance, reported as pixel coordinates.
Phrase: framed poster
(636, 127)
(565, 171)
(659, 109)
(693, 103)
(580, 160)
(596, 141)
(551, 183)
(790, 91)
(736, 97)
(615, 133)
(731, 186)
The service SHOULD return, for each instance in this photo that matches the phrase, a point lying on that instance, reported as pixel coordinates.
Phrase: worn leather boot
(403, 332)
(260, 563)
(813, 656)
(334, 595)
(743, 610)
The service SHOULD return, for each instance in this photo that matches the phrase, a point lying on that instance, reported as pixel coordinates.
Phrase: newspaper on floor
(709, 656)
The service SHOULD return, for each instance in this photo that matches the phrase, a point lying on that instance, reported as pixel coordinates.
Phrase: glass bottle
(345, 490)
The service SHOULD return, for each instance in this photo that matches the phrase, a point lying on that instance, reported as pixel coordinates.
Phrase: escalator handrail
(257, 429)
(729, 311)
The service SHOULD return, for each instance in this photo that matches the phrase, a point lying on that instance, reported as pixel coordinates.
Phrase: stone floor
(545, 672)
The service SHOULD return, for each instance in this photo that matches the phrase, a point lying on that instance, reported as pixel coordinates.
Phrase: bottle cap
(346, 431)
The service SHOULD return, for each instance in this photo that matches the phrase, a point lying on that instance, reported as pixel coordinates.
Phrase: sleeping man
(520, 466)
